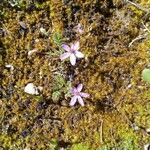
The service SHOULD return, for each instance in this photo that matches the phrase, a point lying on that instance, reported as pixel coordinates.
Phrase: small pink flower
(79, 28)
(71, 52)
(77, 95)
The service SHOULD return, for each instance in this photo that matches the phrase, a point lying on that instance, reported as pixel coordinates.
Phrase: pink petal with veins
(72, 59)
(84, 94)
(76, 46)
(79, 87)
(72, 46)
(80, 31)
(74, 91)
(79, 54)
(80, 100)
(66, 47)
(73, 100)
(64, 56)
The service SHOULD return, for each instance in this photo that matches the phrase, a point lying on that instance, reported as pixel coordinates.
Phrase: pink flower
(77, 95)
(79, 28)
(71, 52)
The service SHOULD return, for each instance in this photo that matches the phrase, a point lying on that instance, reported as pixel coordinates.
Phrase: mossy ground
(118, 112)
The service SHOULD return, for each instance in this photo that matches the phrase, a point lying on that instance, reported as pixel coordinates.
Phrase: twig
(137, 38)
(140, 36)
(145, 27)
(138, 6)
(146, 16)
(101, 132)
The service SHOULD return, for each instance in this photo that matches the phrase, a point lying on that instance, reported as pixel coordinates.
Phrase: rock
(31, 52)
(40, 88)
(9, 66)
(43, 31)
(148, 130)
(146, 147)
(30, 88)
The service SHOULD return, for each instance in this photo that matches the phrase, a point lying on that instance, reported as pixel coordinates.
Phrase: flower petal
(64, 56)
(73, 91)
(72, 59)
(80, 31)
(72, 47)
(76, 46)
(79, 54)
(84, 94)
(66, 47)
(78, 28)
(73, 101)
(79, 87)
(80, 100)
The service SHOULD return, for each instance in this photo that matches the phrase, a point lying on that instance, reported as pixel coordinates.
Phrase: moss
(80, 147)
(56, 15)
(110, 72)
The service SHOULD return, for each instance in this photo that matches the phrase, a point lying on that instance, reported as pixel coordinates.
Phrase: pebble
(9, 66)
(31, 52)
(43, 31)
(148, 130)
(146, 147)
(30, 88)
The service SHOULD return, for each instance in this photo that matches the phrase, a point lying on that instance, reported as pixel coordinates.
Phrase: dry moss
(117, 113)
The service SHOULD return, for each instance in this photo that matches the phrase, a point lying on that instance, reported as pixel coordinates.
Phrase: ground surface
(115, 41)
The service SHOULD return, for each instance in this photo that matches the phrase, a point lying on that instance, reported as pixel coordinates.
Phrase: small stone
(43, 31)
(148, 130)
(146, 147)
(30, 88)
(135, 127)
(31, 52)
(40, 88)
(9, 66)
(129, 86)
(37, 40)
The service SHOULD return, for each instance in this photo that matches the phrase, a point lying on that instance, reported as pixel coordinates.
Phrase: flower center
(73, 51)
(77, 93)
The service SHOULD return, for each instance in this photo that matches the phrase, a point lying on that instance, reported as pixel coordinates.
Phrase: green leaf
(59, 82)
(146, 75)
(67, 89)
(53, 144)
(56, 96)
(57, 38)
(80, 146)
